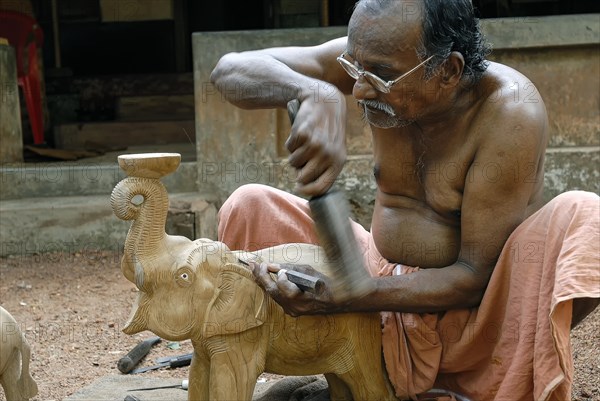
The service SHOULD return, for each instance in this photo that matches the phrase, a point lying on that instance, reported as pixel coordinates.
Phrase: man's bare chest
(432, 173)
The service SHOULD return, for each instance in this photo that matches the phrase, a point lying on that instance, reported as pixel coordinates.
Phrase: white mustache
(386, 108)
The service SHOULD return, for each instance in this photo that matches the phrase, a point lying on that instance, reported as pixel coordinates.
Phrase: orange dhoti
(514, 346)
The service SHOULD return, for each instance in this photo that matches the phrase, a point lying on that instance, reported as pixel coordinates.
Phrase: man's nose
(363, 90)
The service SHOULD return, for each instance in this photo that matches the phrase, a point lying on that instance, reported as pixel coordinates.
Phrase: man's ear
(452, 70)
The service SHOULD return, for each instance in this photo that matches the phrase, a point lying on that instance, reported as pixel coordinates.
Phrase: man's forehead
(384, 34)
(389, 28)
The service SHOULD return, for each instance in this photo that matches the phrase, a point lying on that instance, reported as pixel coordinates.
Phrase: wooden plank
(11, 134)
(182, 37)
(56, 35)
(136, 10)
(123, 134)
(155, 107)
(300, 7)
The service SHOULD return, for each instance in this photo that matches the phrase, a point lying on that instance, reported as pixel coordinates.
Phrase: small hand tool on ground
(331, 215)
(164, 359)
(303, 281)
(173, 362)
(133, 357)
(184, 386)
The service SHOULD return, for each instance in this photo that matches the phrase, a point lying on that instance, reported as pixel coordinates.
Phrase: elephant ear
(247, 257)
(238, 304)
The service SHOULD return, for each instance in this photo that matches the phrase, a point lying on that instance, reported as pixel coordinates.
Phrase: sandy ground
(72, 308)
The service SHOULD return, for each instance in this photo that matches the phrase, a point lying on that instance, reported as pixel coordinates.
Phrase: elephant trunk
(145, 201)
(138, 319)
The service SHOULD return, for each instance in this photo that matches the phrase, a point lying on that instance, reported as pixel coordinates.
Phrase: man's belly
(408, 232)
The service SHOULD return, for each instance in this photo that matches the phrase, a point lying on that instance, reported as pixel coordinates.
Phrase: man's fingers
(318, 186)
(263, 278)
(285, 286)
(310, 172)
(273, 268)
(276, 289)
(295, 140)
(299, 157)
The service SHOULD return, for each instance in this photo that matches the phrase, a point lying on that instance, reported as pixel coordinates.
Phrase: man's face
(385, 44)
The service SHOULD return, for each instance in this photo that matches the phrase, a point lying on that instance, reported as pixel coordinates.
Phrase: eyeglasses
(373, 80)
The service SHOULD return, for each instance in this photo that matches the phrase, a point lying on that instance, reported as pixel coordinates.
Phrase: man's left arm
(498, 188)
(500, 184)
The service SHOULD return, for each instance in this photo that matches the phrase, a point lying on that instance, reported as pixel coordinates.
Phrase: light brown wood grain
(199, 290)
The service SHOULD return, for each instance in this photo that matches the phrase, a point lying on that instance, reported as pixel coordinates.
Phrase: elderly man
(464, 307)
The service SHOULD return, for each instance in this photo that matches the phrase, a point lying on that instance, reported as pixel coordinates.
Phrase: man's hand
(317, 142)
(292, 299)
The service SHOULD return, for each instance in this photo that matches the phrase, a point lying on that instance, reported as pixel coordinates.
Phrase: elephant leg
(236, 362)
(338, 390)
(10, 377)
(199, 377)
(232, 378)
(371, 384)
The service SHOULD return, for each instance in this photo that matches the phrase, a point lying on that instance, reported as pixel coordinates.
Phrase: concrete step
(79, 179)
(65, 206)
(87, 223)
(37, 217)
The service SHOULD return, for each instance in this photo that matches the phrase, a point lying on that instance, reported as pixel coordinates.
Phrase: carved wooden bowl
(149, 165)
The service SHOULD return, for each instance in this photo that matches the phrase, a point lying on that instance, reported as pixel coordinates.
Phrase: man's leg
(583, 248)
(257, 217)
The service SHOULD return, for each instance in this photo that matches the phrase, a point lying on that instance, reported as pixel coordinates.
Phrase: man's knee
(578, 198)
(250, 192)
(246, 196)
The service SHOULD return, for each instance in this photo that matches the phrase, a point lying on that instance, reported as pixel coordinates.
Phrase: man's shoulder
(505, 87)
(510, 99)
(512, 113)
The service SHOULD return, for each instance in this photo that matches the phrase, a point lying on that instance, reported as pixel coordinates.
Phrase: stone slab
(114, 388)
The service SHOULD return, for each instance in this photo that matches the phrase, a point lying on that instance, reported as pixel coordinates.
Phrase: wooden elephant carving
(14, 361)
(199, 290)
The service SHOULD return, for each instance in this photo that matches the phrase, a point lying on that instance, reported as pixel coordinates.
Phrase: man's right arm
(272, 77)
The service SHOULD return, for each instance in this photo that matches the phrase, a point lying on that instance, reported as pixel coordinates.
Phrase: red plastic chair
(24, 34)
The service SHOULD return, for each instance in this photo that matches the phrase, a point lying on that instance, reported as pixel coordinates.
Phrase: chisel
(133, 357)
(173, 362)
(184, 386)
(303, 281)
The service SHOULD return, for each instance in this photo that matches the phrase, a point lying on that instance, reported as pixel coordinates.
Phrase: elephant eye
(184, 276)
